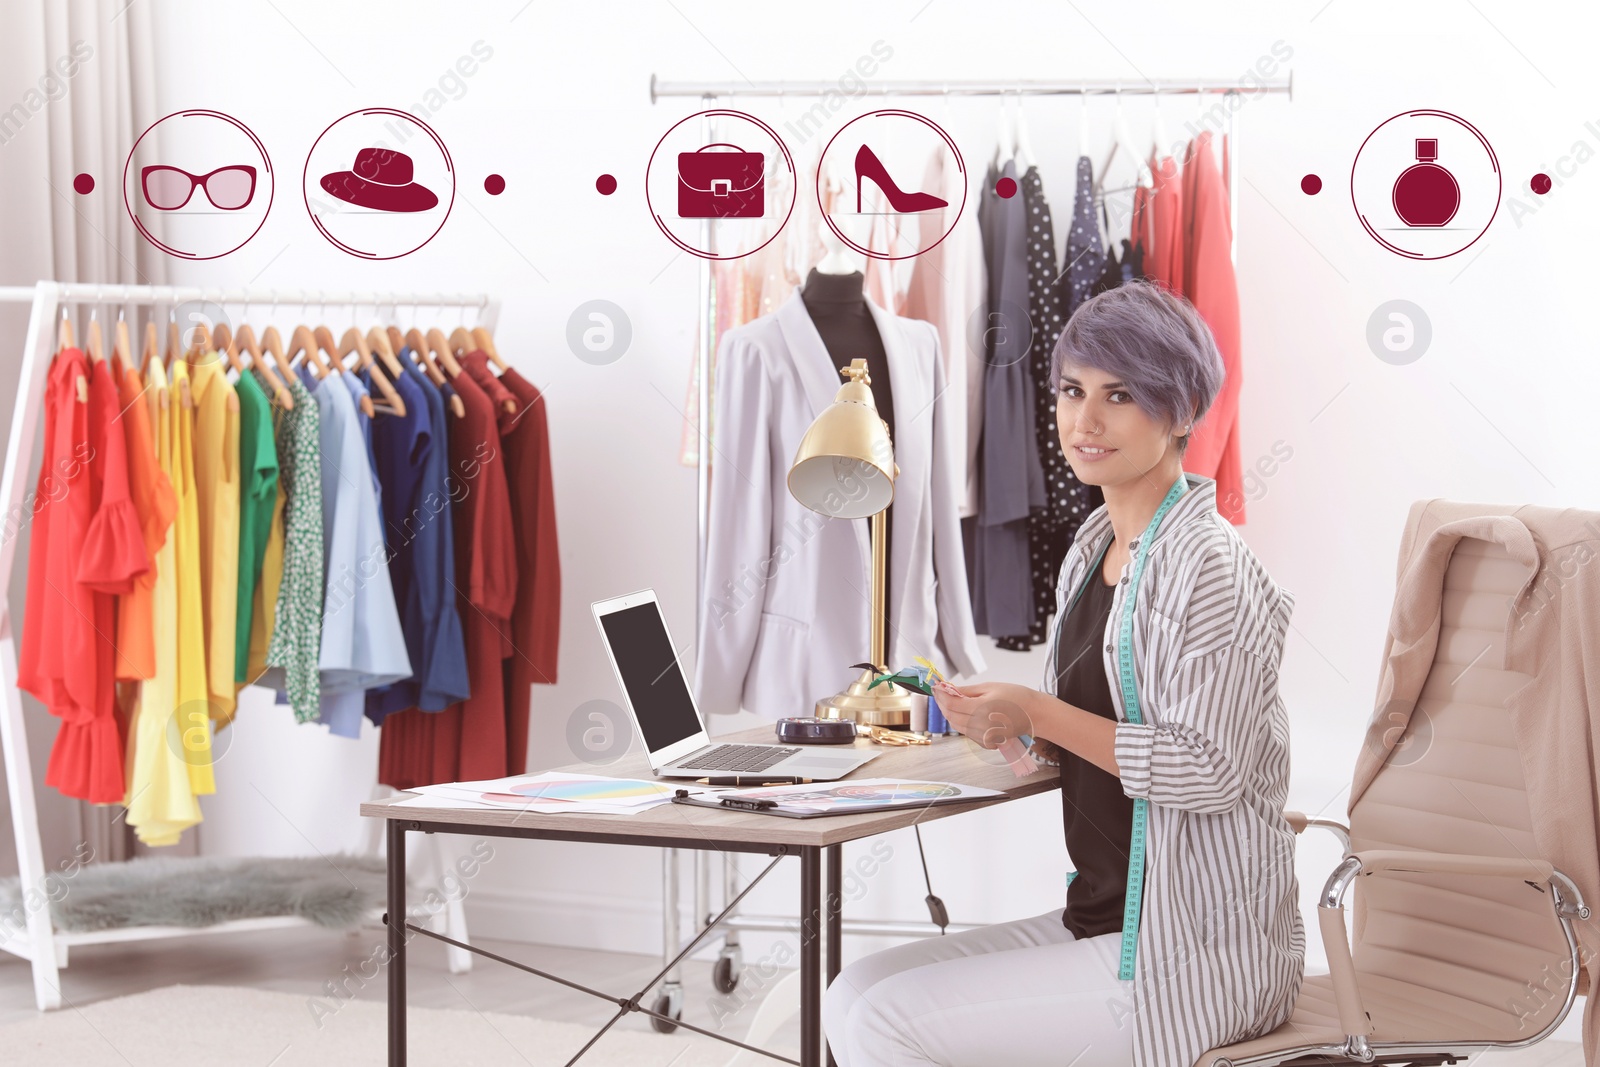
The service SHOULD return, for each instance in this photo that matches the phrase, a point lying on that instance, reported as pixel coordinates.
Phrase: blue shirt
(414, 465)
(362, 643)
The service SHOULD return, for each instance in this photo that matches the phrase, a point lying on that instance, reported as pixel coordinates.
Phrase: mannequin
(835, 299)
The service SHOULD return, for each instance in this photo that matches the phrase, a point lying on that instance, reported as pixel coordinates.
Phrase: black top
(1097, 814)
(837, 304)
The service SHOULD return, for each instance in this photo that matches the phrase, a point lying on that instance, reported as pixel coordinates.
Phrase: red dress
(1164, 260)
(467, 741)
(536, 613)
(1210, 285)
(87, 547)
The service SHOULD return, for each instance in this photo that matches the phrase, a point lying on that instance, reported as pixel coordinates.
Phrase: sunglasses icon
(169, 188)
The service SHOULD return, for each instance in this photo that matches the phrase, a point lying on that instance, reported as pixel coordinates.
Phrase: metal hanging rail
(930, 87)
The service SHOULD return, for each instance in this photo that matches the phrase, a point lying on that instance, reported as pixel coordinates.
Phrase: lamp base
(887, 705)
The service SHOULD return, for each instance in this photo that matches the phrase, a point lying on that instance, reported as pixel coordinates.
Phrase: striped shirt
(1221, 947)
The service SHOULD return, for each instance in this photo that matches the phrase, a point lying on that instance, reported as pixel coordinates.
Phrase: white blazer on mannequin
(788, 591)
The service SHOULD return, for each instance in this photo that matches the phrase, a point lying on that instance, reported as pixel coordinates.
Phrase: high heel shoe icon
(868, 165)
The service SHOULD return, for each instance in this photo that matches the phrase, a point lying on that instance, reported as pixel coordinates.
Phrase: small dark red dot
(83, 184)
(494, 185)
(1005, 188)
(1311, 185)
(606, 184)
(1541, 183)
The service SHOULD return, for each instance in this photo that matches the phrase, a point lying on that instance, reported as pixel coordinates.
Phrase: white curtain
(77, 86)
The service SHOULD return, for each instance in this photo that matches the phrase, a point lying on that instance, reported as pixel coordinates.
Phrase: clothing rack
(709, 92)
(44, 947)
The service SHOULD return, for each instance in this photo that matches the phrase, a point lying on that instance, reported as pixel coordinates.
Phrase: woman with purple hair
(1181, 930)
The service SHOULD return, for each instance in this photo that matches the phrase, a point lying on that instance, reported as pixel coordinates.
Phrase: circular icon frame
(189, 113)
(449, 166)
(1494, 163)
(712, 113)
(949, 141)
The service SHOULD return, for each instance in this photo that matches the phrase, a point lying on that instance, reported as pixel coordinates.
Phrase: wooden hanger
(324, 338)
(302, 340)
(202, 343)
(420, 351)
(228, 345)
(152, 346)
(383, 347)
(66, 340)
(397, 341)
(485, 342)
(464, 341)
(122, 344)
(442, 352)
(174, 355)
(355, 341)
(273, 344)
(152, 349)
(96, 346)
(246, 339)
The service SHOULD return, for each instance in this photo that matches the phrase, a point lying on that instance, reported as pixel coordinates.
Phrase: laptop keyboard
(738, 758)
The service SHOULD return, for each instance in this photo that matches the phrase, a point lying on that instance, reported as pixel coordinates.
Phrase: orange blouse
(156, 503)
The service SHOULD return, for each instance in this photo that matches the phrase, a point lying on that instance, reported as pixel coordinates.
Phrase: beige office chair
(1462, 943)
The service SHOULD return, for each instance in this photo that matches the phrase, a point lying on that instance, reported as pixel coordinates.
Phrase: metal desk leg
(395, 920)
(670, 1000)
(811, 938)
(833, 902)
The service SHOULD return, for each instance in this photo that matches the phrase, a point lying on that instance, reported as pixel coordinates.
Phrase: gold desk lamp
(845, 469)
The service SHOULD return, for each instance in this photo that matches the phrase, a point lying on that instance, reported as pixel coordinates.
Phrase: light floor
(305, 961)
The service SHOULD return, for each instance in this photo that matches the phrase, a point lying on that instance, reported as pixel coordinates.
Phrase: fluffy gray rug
(335, 892)
(203, 1026)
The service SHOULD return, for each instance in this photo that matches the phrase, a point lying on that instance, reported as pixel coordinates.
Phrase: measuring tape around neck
(1131, 710)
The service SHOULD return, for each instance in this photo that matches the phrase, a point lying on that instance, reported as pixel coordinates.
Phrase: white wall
(1497, 410)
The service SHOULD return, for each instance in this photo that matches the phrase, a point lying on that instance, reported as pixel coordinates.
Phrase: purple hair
(1151, 338)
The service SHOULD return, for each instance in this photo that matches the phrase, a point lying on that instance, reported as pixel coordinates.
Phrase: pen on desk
(753, 781)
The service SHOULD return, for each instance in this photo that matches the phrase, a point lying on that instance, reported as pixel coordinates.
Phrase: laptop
(664, 712)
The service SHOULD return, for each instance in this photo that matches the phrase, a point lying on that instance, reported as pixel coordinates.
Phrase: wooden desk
(948, 759)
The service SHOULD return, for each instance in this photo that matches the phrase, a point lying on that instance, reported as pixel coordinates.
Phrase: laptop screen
(661, 700)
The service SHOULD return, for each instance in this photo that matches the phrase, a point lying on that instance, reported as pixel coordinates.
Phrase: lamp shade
(844, 467)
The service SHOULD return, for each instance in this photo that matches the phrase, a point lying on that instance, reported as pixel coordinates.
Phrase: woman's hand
(991, 713)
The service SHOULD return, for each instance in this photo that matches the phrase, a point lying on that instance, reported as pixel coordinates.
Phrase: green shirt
(258, 488)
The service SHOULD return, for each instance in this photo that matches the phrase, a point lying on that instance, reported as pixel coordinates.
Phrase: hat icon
(381, 180)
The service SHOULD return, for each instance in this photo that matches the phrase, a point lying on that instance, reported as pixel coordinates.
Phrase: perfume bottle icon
(1426, 194)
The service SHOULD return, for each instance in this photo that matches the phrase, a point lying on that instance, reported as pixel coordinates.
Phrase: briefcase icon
(721, 185)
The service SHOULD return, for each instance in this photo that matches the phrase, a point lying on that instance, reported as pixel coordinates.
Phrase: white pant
(1019, 994)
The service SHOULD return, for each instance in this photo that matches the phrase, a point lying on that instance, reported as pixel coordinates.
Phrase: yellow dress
(216, 478)
(192, 697)
(160, 801)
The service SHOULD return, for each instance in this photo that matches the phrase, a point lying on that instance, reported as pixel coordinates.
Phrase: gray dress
(1011, 479)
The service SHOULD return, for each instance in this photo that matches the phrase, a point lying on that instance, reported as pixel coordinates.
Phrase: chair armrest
(1353, 1018)
(1381, 861)
(1299, 820)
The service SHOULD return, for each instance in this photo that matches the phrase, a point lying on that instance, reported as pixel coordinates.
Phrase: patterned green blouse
(297, 633)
